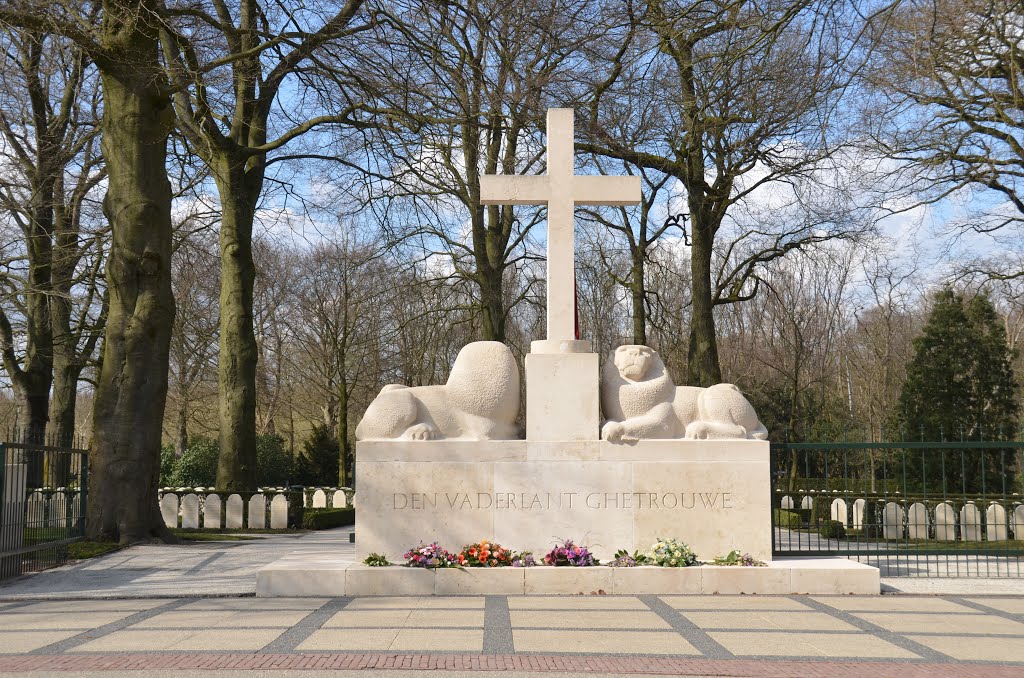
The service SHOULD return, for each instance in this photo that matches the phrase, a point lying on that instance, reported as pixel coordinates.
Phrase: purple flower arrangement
(570, 554)
(430, 555)
(524, 559)
(739, 559)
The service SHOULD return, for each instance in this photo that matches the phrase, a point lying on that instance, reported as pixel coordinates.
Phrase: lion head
(633, 361)
(634, 381)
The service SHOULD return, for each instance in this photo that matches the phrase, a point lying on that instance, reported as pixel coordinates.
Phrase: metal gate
(913, 509)
(42, 503)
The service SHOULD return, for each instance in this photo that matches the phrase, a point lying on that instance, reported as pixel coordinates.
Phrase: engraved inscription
(545, 501)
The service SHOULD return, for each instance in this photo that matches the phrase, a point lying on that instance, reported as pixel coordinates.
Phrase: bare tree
(52, 314)
(121, 38)
(729, 98)
(469, 82)
(948, 106)
(232, 71)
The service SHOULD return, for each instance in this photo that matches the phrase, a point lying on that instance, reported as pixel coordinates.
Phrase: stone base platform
(324, 575)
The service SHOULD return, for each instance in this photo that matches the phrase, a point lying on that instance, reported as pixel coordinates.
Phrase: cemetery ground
(189, 608)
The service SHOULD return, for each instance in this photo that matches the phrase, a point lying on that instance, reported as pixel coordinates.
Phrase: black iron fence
(918, 509)
(42, 502)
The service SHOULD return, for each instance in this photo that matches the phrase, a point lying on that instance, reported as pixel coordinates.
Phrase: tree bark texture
(132, 387)
(239, 192)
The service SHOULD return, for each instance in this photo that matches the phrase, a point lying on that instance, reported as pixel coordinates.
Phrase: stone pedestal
(713, 495)
(563, 397)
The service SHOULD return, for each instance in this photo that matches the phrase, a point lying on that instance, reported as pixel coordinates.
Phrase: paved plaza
(189, 608)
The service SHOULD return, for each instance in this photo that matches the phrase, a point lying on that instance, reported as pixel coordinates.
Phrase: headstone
(917, 521)
(190, 511)
(319, 499)
(995, 523)
(236, 507)
(970, 522)
(1018, 521)
(807, 503)
(279, 512)
(59, 510)
(945, 522)
(305, 498)
(257, 512)
(211, 512)
(169, 509)
(339, 500)
(787, 502)
(838, 512)
(892, 521)
(35, 515)
(858, 513)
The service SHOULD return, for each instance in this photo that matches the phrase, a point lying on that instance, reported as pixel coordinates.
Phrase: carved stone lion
(480, 401)
(640, 402)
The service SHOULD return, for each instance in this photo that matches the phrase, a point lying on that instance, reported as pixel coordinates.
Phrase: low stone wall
(269, 508)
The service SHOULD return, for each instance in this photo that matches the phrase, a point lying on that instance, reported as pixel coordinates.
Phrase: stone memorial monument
(622, 485)
(447, 464)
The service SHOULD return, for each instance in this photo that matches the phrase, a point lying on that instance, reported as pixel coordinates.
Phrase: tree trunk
(236, 466)
(344, 446)
(638, 294)
(64, 402)
(181, 439)
(132, 387)
(702, 364)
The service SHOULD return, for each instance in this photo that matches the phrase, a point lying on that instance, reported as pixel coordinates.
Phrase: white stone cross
(561, 191)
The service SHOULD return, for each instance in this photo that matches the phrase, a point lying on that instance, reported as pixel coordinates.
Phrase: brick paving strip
(502, 662)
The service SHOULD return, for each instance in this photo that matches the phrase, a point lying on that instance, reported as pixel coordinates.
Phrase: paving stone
(67, 606)
(618, 642)
(1011, 605)
(892, 604)
(588, 619)
(769, 620)
(55, 621)
(958, 624)
(414, 602)
(228, 639)
(575, 603)
(135, 640)
(733, 603)
(782, 644)
(268, 605)
(349, 640)
(15, 642)
(187, 619)
(358, 618)
(977, 648)
(439, 640)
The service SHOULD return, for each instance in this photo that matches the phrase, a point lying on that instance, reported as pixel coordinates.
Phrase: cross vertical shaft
(561, 190)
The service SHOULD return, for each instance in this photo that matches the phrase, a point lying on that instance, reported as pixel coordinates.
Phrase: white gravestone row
(190, 511)
(787, 502)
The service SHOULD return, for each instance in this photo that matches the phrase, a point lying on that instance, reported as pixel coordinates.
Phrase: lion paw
(613, 431)
(420, 432)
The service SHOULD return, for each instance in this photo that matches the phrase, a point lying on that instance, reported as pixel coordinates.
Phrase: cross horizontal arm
(505, 189)
(613, 191)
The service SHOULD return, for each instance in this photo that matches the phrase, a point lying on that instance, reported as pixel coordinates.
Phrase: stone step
(318, 575)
